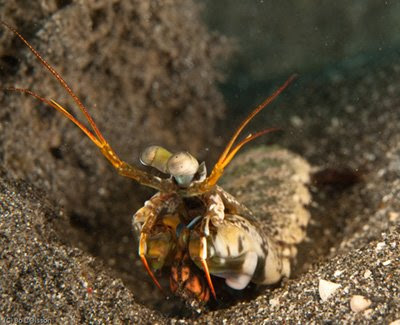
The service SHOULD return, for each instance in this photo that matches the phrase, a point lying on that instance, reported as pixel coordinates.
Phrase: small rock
(393, 216)
(337, 273)
(367, 274)
(274, 302)
(368, 312)
(380, 246)
(359, 303)
(386, 263)
(327, 288)
(296, 121)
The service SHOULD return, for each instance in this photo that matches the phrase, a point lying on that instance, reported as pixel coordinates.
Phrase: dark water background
(317, 40)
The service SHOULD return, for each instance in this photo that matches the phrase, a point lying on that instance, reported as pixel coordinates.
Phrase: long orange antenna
(97, 138)
(228, 154)
(60, 80)
(61, 109)
(249, 138)
(258, 109)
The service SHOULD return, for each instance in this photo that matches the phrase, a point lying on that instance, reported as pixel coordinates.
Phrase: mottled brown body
(236, 248)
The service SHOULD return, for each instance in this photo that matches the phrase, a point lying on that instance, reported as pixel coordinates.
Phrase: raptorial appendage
(164, 227)
(212, 231)
(157, 233)
(236, 248)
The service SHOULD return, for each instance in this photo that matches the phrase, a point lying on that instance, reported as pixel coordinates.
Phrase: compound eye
(182, 166)
(156, 157)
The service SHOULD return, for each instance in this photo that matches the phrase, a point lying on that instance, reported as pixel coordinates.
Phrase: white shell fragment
(380, 246)
(337, 273)
(359, 303)
(274, 302)
(393, 216)
(367, 274)
(327, 289)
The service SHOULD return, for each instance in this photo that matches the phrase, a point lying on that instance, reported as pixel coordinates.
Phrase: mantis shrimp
(191, 225)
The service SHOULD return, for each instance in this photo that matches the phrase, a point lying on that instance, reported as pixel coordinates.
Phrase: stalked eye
(157, 157)
(182, 166)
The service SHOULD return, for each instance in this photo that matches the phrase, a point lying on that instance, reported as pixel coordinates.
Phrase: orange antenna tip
(258, 109)
(228, 153)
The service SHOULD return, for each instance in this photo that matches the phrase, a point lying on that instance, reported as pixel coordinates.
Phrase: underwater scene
(199, 162)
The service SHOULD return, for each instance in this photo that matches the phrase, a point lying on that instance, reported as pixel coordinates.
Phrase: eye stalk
(182, 165)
